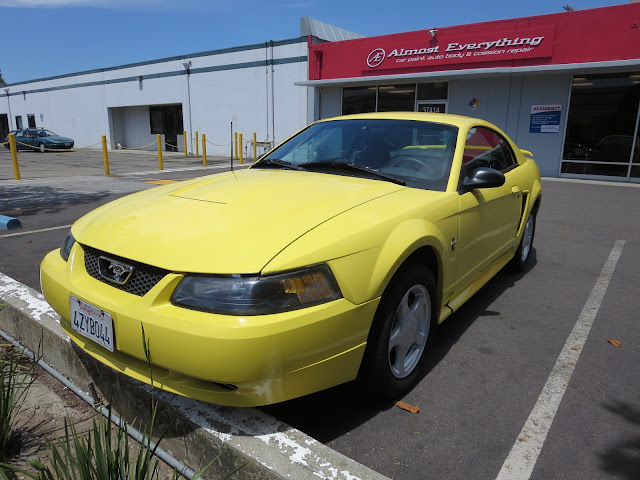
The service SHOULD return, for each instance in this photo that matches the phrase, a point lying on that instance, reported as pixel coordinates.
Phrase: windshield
(46, 133)
(416, 153)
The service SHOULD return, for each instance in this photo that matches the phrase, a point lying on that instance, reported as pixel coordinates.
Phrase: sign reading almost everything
(510, 45)
(545, 119)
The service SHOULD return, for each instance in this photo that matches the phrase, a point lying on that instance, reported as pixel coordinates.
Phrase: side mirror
(484, 177)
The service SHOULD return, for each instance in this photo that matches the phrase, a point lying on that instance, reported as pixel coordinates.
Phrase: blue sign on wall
(545, 119)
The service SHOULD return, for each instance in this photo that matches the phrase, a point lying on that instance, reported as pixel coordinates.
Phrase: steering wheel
(408, 160)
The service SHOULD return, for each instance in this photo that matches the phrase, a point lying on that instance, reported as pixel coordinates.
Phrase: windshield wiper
(349, 166)
(275, 163)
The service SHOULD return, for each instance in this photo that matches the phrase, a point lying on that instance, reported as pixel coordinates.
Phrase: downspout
(187, 67)
(273, 100)
(6, 90)
(266, 82)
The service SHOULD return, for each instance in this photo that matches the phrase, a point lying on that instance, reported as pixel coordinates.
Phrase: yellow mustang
(330, 259)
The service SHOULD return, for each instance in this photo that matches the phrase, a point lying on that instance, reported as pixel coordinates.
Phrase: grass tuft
(16, 376)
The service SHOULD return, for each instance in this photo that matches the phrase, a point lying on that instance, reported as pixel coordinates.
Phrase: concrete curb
(196, 431)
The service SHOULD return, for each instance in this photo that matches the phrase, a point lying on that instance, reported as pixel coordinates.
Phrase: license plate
(92, 322)
(67, 144)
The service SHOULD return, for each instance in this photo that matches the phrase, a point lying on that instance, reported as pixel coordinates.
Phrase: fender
(403, 241)
(367, 245)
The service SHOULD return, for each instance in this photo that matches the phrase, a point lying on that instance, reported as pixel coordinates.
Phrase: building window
(31, 120)
(18, 122)
(602, 126)
(411, 97)
(433, 91)
(397, 98)
(358, 100)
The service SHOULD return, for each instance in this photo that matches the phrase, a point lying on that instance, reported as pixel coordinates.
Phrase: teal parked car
(40, 139)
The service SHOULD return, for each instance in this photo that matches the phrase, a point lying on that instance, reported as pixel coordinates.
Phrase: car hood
(227, 223)
(56, 139)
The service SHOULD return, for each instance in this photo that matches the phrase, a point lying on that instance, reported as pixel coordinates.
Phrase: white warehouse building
(252, 86)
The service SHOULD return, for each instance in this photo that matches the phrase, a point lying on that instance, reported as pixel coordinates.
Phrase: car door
(30, 137)
(21, 140)
(489, 217)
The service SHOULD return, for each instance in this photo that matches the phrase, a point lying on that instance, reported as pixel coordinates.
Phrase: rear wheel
(395, 356)
(41, 147)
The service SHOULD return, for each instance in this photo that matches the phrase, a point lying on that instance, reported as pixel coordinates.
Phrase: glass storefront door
(602, 127)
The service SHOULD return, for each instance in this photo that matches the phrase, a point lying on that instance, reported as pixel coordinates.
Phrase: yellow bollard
(197, 151)
(240, 143)
(159, 142)
(235, 144)
(14, 156)
(255, 148)
(105, 156)
(204, 150)
(184, 135)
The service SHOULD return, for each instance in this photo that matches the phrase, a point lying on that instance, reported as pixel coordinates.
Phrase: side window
(485, 148)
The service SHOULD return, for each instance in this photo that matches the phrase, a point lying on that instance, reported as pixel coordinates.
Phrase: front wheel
(41, 147)
(523, 254)
(395, 357)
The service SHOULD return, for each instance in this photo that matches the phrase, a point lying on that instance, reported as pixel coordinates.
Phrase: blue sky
(43, 38)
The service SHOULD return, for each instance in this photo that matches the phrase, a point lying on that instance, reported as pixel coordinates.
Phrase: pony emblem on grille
(113, 271)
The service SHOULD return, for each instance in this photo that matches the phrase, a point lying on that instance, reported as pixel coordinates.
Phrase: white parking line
(524, 454)
(34, 231)
(182, 169)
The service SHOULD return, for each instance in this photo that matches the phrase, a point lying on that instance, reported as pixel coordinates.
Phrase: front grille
(143, 278)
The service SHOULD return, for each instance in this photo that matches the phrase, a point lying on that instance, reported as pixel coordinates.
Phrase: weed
(104, 453)
(16, 376)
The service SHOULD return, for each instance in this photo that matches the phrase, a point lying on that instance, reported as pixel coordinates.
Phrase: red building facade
(565, 85)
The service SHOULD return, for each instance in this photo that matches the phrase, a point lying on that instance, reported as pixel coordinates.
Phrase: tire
(401, 332)
(41, 147)
(521, 259)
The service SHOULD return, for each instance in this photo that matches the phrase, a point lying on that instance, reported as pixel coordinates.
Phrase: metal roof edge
(478, 72)
(187, 56)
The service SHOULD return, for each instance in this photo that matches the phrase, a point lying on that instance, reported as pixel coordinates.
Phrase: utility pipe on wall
(273, 101)
(6, 90)
(266, 83)
(187, 67)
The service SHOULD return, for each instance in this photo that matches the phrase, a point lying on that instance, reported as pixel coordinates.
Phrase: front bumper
(239, 361)
(58, 146)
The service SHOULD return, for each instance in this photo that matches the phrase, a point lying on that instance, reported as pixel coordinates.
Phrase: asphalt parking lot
(523, 381)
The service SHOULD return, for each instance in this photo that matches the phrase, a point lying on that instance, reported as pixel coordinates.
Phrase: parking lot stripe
(524, 453)
(35, 231)
(184, 169)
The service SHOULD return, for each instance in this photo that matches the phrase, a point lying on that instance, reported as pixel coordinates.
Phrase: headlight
(67, 244)
(261, 295)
